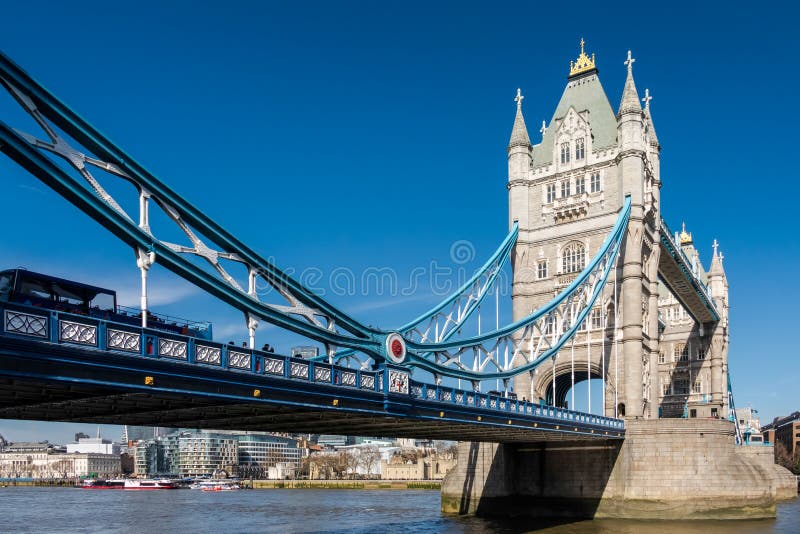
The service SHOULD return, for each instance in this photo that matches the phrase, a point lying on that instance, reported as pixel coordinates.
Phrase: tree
(796, 466)
(783, 457)
(367, 458)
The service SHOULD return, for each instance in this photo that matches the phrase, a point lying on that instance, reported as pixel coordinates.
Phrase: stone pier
(664, 469)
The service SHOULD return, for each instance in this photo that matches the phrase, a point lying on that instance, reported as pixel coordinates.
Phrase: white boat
(217, 485)
(149, 484)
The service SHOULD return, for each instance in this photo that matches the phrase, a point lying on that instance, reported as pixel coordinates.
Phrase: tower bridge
(601, 289)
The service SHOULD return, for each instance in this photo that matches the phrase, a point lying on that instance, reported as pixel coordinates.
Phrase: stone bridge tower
(566, 192)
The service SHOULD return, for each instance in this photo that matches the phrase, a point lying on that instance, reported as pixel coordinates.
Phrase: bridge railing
(473, 399)
(88, 332)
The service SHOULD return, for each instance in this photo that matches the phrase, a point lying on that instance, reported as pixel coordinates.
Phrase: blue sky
(355, 135)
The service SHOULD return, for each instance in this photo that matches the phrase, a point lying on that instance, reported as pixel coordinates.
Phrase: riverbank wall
(345, 484)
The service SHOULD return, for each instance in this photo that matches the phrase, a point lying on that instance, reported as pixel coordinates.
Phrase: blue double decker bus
(50, 292)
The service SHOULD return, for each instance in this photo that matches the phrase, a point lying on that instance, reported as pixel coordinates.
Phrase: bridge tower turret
(638, 254)
(718, 287)
(519, 163)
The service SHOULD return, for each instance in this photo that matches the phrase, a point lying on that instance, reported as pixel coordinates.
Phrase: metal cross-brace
(304, 312)
(426, 343)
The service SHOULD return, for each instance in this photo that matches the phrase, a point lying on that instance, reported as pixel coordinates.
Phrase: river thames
(331, 511)
(27, 509)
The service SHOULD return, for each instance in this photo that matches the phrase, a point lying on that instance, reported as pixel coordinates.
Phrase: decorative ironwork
(459, 397)
(483, 402)
(298, 370)
(398, 382)
(122, 340)
(416, 390)
(209, 355)
(471, 400)
(430, 393)
(84, 334)
(273, 366)
(172, 348)
(322, 374)
(447, 395)
(348, 378)
(367, 381)
(492, 403)
(238, 360)
(26, 324)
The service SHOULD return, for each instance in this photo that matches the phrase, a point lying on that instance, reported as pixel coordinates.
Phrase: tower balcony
(570, 208)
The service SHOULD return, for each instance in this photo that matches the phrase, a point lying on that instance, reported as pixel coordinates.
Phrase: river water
(290, 511)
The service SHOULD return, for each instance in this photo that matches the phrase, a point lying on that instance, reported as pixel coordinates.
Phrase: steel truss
(424, 343)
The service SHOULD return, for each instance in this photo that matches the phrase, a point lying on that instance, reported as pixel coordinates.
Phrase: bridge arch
(543, 388)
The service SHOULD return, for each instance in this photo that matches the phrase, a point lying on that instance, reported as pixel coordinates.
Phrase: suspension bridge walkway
(56, 365)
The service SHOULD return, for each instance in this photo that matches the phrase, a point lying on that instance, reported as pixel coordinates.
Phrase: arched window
(580, 149)
(564, 152)
(573, 258)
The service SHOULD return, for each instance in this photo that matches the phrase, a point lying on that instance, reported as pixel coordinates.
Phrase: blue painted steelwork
(63, 338)
(732, 413)
(474, 291)
(341, 330)
(21, 85)
(684, 265)
(586, 287)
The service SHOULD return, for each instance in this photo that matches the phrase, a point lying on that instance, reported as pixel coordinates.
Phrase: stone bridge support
(664, 469)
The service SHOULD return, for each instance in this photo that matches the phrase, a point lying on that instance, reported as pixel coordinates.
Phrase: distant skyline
(354, 136)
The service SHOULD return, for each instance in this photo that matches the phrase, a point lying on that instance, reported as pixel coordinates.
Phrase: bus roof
(63, 283)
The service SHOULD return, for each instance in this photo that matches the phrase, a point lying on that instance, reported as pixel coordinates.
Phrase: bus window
(104, 301)
(32, 289)
(6, 283)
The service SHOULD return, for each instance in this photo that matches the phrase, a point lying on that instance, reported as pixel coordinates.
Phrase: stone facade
(665, 469)
(49, 464)
(428, 468)
(565, 193)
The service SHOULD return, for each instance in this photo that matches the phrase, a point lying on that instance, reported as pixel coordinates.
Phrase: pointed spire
(543, 129)
(716, 262)
(519, 134)
(652, 129)
(630, 97)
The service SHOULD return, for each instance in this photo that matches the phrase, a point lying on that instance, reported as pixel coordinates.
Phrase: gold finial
(583, 63)
(686, 237)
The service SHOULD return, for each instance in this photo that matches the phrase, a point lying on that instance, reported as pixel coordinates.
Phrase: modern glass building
(204, 453)
(261, 450)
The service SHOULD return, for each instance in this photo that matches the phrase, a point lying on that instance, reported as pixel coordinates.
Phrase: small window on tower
(564, 152)
(597, 318)
(595, 182)
(701, 353)
(565, 188)
(541, 270)
(551, 192)
(573, 258)
(579, 148)
(681, 353)
(580, 185)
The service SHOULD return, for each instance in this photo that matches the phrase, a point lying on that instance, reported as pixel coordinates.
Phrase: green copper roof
(582, 93)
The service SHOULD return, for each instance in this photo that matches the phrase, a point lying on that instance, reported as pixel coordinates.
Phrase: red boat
(101, 484)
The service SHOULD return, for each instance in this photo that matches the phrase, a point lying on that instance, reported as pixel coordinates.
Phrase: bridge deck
(49, 380)
(676, 273)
